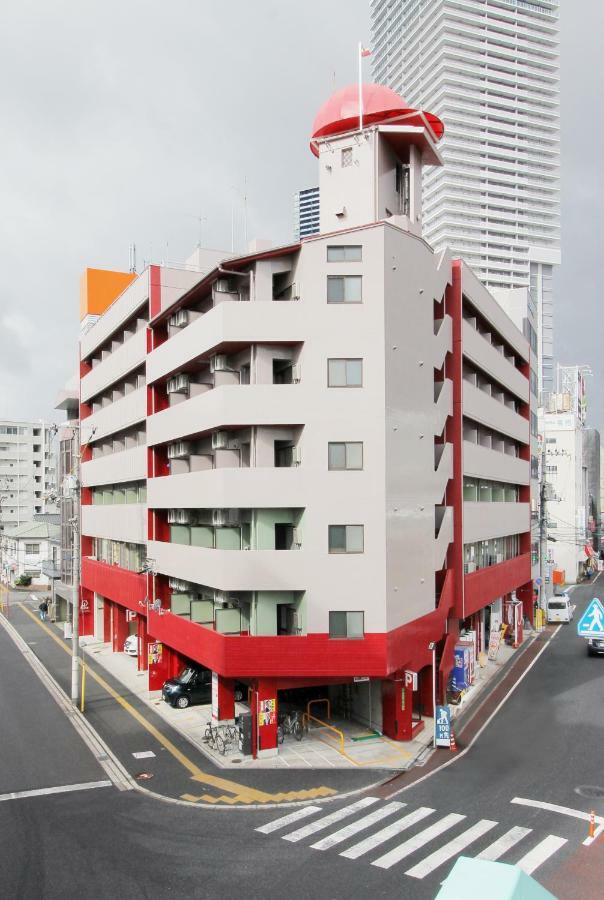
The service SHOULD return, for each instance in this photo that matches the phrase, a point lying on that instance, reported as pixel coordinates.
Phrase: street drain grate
(591, 791)
(144, 776)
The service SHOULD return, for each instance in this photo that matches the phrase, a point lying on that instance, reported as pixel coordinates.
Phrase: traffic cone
(592, 824)
(453, 742)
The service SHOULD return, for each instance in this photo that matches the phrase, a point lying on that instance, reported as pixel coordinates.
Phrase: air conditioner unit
(181, 587)
(220, 440)
(296, 456)
(179, 319)
(296, 373)
(221, 517)
(234, 444)
(185, 516)
(221, 597)
(179, 450)
(296, 290)
(222, 285)
(172, 516)
(179, 384)
(219, 363)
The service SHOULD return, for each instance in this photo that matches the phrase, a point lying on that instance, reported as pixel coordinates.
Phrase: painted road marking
(553, 807)
(386, 833)
(417, 841)
(241, 793)
(349, 830)
(143, 754)
(445, 853)
(289, 820)
(537, 856)
(326, 821)
(62, 789)
(501, 846)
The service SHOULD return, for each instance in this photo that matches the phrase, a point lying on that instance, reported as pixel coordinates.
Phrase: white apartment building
(27, 472)
(490, 70)
(566, 510)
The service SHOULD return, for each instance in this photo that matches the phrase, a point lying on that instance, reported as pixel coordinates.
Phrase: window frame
(344, 257)
(345, 467)
(347, 636)
(331, 279)
(345, 526)
(345, 360)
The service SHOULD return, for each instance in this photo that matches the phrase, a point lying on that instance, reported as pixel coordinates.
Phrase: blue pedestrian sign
(591, 623)
(442, 727)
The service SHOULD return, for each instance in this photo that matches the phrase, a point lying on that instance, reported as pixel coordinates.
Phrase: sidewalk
(321, 748)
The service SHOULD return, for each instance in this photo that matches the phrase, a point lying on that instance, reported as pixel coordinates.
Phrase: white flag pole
(360, 86)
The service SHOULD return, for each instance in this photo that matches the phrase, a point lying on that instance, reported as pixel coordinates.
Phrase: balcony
(484, 355)
(118, 521)
(483, 521)
(232, 570)
(487, 410)
(127, 588)
(116, 366)
(245, 323)
(126, 465)
(482, 462)
(486, 585)
(443, 400)
(229, 488)
(117, 416)
(443, 340)
(243, 656)
(443, 535)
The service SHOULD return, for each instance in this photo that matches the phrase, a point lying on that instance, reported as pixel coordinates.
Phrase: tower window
(346, 157)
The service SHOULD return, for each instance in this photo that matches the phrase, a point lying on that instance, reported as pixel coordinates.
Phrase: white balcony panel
(123, 308)
(444, 470)
(443, 406)
(116, 366)
(443, 539)
(127, 465)
(118, 521)
(222, 488)
(486, 304)
(234, 405)
(128, 411)
(232, 570)
(233, 322)
(443, 342)
(481, 462)
(483, 521)
(486, 357)
(485, 409)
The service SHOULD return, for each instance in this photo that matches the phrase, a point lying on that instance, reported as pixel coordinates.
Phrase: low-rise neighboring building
(26, 549)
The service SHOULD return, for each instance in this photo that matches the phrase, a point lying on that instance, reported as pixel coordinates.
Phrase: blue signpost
(442, 726)
(591, 623)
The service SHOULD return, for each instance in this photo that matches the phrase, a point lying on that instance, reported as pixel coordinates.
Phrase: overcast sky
(125, 120)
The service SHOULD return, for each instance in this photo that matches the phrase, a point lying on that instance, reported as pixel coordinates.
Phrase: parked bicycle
(211, 735)
(290, 723)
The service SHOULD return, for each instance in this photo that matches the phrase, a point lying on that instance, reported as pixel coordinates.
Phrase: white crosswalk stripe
(537, 856)
(374, 840)
(453, 848)
(417, 841)
(508, 840)
(303, 813)
(350, 830)
(428, 860)
(331, 819)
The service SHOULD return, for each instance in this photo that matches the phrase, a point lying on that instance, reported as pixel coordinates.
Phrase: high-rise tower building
(489, 69)
(306, 212)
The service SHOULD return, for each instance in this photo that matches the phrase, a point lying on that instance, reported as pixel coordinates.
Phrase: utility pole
(542, 531)
(75, 566)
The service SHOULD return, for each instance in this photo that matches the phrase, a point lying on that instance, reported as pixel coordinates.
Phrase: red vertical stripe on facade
(154, 291)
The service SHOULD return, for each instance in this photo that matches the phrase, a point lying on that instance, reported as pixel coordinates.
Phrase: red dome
(380, 104)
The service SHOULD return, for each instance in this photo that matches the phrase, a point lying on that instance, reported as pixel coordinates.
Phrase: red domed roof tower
(371, 158)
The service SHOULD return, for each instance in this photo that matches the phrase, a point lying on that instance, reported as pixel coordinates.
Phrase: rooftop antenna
(132, 258)
(245, 213)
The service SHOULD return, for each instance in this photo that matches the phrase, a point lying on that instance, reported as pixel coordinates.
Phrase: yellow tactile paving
(241, 792)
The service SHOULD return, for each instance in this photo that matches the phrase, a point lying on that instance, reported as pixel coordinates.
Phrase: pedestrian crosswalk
(430, 840)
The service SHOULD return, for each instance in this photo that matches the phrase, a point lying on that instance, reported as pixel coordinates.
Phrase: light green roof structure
(474, 878)
(39, 531)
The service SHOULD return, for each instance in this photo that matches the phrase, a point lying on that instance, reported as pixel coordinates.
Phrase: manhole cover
(591, 791)
(144, 776)
(236, 760)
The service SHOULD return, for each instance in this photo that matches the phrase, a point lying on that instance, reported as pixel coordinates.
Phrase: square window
(337, 625)
(337, 539)
(346, 625)
(343, 455)
(337, 456)
(352, 253)
(345, 372)
(346, 538)
(344, 289)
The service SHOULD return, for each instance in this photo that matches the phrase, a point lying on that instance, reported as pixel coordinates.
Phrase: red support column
(267, 718)
(119, 628)
(86, 624)
(107, 605)
(142, 663)
(226, 698)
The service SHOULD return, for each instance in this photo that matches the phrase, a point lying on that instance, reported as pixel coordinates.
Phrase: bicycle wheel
(220, 744)
(298, 731)
(280, 734)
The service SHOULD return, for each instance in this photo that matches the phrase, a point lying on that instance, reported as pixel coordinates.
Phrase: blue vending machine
(460, 676)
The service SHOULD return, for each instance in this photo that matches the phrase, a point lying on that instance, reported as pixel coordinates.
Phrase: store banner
(442, 726)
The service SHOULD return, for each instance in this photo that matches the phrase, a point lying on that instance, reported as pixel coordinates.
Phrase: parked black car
(193, 685)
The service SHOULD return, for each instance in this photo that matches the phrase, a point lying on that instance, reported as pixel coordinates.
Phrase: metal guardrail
(319, 700)
(308, 718)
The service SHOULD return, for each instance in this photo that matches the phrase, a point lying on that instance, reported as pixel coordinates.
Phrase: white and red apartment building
(311, 463)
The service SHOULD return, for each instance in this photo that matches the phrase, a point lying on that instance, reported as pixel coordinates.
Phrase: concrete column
(226, 698)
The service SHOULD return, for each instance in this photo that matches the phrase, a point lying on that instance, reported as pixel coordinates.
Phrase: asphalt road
(543, 744)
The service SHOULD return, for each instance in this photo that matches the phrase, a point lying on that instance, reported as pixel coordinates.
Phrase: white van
(559, 609)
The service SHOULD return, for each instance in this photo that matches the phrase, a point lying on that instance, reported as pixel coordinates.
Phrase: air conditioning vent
(220, 440)
(296, 374)
(179, 384)
(219, 363)
(179, 319)
(179, 450)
